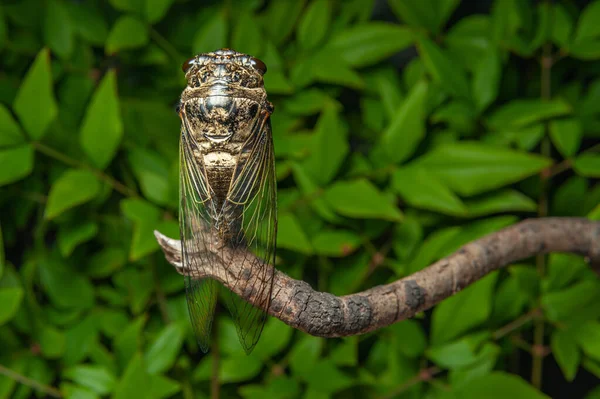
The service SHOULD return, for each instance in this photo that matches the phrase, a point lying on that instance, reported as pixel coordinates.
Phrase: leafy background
(403, 129)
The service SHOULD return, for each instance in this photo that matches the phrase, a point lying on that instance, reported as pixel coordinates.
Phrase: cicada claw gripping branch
(322, 314)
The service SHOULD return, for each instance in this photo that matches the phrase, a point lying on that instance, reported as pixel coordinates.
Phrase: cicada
(227, 191)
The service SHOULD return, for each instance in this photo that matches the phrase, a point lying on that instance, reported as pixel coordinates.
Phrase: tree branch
(322, 314)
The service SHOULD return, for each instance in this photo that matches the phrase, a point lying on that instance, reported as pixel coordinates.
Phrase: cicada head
(224, 67)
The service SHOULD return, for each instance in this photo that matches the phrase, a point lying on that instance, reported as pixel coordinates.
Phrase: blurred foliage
(402, 130)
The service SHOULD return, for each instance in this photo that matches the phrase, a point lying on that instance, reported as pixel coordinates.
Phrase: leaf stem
(59, 156)
(38, 386)
(517, 323)
(424, 375)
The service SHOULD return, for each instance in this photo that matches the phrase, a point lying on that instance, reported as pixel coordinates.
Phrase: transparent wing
(253, 187)
(196, 227)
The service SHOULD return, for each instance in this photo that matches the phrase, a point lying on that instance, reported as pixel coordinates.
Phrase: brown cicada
(228, 202)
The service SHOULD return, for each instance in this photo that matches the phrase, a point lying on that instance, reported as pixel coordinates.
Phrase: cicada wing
(253, 187)
(196, 227)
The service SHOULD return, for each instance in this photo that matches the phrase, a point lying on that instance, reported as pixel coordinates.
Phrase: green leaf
(135, 382)
(305, 354)
(314, 24)
(485, 361)
(410, 331)
(566, 135)
(563, 270)
(211, 35)
(52, 342)
(76, 392)
(335, 243)
(417, 13)
(422, 189)
(346, 353)
(386, 83)
(143, 242)
(231, 372)
(163, 387)
(3, 34)
(70, 236)
(448, 74)
(10, 131)
(65, 287)
(463, 311)
(370, 43)
(587, 26)
(566, 353)
(470, 168)
(585, 50)
(247, 37)
(326, 66)
(153, 173)
(163, 352)
(135, 6)
(458, 354)
(588, 337)
(290, 234)
(88, 23)
(407, 128)
(138, 287)
(311, 190)
(587, 164)
(594, 213)
(139, 210)
(102, 128)
(74, 187)
(430, 249)
(128, 342)
(562, 26)
(10, 298)
(80, 339)
(543, 31)
(34, 103)
(20, 160)
(509, 300)
(127, 33)
(157, 9)
(507, 200)
(308, 102)
(104, 263)
(330, 147)
(58, 29)
(498, 385)
(520, 113)
(561, 305)
(486, 79)
(96, 378)
(280, 19)
(407, 237)
(274, 338)
(325, 377)
(594, 393)
(361, 199)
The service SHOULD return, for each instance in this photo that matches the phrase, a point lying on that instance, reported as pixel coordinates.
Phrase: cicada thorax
(223, 127)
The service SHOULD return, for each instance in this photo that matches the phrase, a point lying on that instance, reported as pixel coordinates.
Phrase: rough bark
(326, 315)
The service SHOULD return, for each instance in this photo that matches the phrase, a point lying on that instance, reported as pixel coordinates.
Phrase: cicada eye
(259, 65)
(187, 64)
